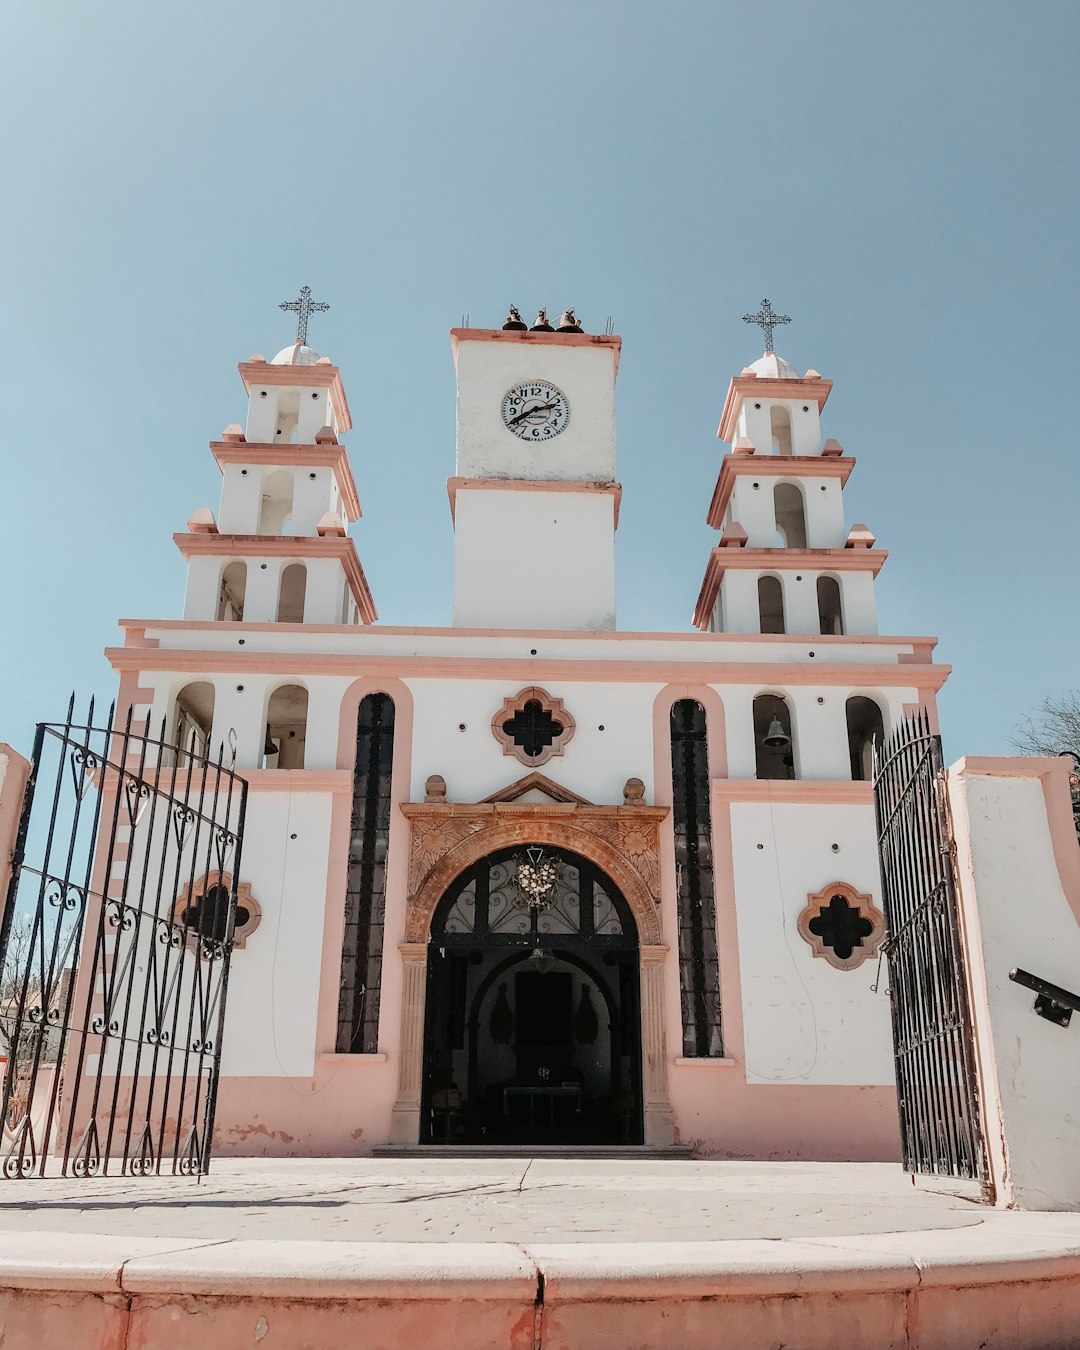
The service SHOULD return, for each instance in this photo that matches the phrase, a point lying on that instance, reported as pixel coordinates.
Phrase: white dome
(771, 367)
(296, 355)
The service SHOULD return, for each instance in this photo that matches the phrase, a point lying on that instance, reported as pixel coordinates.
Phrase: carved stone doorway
(532, 1031)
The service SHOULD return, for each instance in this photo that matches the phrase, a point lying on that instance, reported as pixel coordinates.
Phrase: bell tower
(534, 500)
(786, 561)
(278, 551)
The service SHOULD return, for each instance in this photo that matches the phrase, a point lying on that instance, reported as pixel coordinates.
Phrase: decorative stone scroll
(448, 837)
(842, 925)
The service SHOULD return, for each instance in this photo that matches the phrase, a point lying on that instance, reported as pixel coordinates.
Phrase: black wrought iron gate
(114, 952)
(932, 1034)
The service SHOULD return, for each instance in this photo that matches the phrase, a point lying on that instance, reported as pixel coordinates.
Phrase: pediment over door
(448, 837)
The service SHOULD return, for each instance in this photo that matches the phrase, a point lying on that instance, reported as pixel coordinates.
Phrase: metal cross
(767, 320)
(303, 309)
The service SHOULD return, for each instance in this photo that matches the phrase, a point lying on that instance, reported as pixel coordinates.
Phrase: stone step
(613, 1152)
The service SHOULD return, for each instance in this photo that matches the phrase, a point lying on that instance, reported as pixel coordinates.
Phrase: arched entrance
(533, 1027)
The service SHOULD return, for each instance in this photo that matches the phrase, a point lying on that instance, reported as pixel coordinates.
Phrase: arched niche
(193, 718)
(770, 604)
(780, 429)
(790, 514)
(232, 591)
(865, 727)
(292, 592)
(830, 613)
(286, 728)
(277, 502)
(774, 742)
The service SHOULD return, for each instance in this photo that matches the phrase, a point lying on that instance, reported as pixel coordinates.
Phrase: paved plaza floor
(517, 1200)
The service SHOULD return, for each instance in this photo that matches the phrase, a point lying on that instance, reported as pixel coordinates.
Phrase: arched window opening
(231, 595)
(699, 971)
(288, 415)
(194, 717)
(291, 594)
(830, 617)
(865, 727)
(365, 895)
(780, 425)
(790, 514)
(286, 728)
(773, 741)
(277, 503)
(770, 596)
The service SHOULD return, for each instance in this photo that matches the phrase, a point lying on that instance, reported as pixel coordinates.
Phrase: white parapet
(1018, 865)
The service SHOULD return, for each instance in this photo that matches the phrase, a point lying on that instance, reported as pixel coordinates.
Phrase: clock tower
(534, 500)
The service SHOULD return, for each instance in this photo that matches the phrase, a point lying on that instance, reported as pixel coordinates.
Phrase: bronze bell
(776, 738)
(514, 321)
(568, 322)
(541, 324)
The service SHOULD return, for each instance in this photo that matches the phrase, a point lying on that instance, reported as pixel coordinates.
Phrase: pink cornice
(771, 466)
(302, 377)
(322, 456)
(456, 485)
(792, 673)
(748, 386)
(285, 546)
(614, 344)
(139, 627)
(723, 560)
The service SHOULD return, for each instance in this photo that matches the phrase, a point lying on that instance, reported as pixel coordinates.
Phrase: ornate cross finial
(303, 309)
(767, 320)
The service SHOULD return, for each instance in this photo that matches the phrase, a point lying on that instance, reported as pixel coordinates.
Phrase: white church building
(565, 884)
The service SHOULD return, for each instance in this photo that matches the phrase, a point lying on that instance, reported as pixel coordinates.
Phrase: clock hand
(539, 407)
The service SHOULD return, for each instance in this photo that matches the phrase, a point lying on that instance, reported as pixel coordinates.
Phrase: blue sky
(899, 178)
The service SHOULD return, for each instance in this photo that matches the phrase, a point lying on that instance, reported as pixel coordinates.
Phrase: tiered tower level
(716, 778)
(786, 561)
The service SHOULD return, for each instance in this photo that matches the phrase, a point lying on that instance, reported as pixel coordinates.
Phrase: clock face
(535, 410)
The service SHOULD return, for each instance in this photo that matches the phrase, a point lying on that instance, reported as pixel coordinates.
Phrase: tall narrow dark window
(699, 971)
(365, 898)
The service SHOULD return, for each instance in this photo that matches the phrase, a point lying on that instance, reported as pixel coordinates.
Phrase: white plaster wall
(752, 507)
(1018, 915)
(684, 652)
(858, 603)
(274, 980)
(754, 423)
(241, 498)
(313, 496)
(586, 375)
(536, 559)
(203, 588)
(263, 580)
(825, 527)
(315, 413)
(819, 728)
(804, 1020)
(739, 602)
(262, 413)
(240, 702)
(325, 585)
(595, 764)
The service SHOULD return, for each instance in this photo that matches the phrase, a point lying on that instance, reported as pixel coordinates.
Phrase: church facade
(564, 885)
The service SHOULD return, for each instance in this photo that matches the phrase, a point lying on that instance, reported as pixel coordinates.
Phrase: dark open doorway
(532, 1031)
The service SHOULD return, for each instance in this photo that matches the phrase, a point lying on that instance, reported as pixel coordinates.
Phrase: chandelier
(537, 876)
